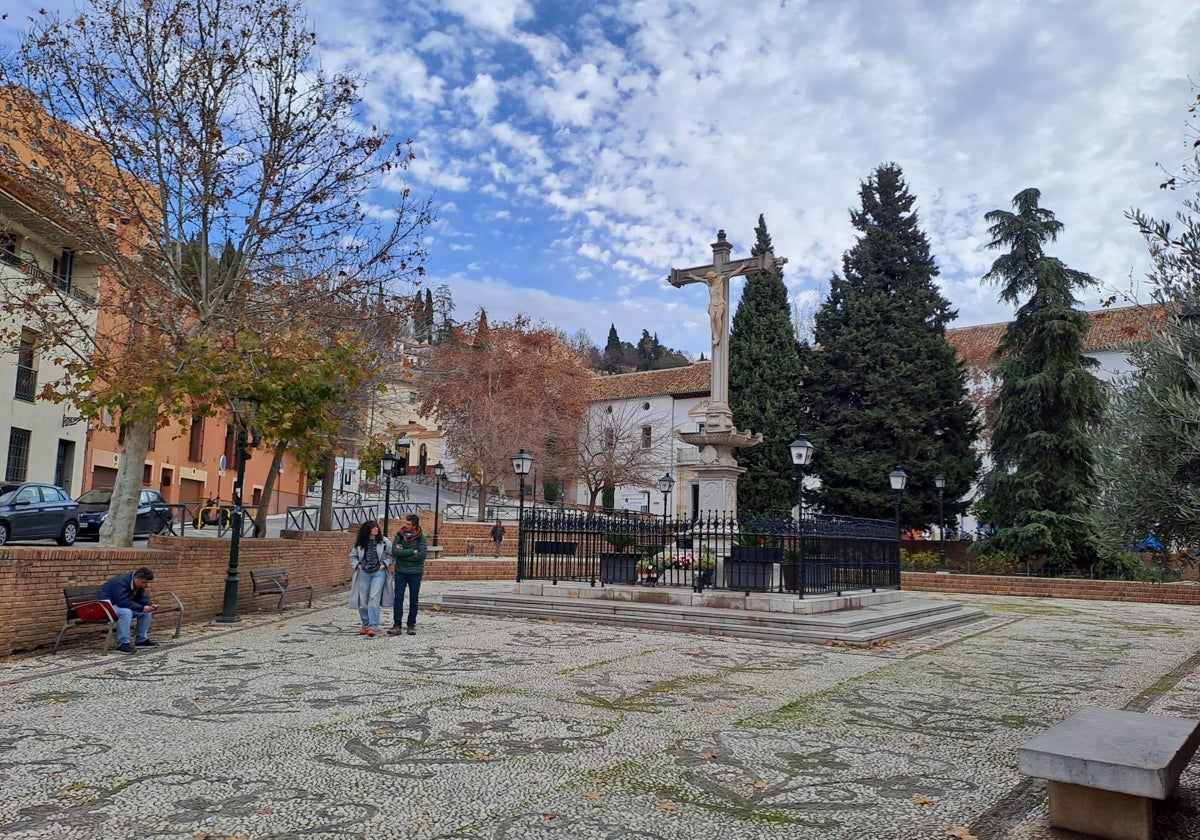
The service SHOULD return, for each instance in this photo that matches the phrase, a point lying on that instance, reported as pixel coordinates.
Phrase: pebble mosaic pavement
(483, 728)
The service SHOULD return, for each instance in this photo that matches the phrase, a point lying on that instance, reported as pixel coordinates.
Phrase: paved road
(497, 729)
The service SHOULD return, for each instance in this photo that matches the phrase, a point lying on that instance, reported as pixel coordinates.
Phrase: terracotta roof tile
(1110, 329)
(691, 379)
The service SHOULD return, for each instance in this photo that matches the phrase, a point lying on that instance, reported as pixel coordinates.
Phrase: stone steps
(854, 619)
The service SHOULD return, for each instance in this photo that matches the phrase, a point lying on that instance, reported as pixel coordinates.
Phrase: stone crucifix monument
(718, 471)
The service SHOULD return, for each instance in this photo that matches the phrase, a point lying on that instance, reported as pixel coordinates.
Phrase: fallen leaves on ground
(593, 795)
(707, 755)
(549, 816)
(667, 806)
(481, 757)
(962, 834)
(758, 784)
(924, 800)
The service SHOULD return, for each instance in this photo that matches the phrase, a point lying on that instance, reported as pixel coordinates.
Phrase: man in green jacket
(409, 550)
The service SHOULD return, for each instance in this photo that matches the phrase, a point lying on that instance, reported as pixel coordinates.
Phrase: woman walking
(409, 551)
(371, 585)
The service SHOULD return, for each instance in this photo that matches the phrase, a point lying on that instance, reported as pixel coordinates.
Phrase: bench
(557, 547)
(1105, 768)
(77, 596)
(279, 582)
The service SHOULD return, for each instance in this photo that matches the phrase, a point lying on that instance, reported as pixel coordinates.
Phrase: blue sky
(578, 150)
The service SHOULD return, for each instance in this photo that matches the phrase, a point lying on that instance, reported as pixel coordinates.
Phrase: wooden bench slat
(278, 582)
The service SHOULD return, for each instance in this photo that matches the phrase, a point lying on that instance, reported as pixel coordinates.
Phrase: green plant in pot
(620, 540)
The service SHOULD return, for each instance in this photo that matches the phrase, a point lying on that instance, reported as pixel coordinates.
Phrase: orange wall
(192, 480)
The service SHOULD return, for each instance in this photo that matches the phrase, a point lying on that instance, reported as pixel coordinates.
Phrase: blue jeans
(374, 585)
(125, 619)
(413, 582)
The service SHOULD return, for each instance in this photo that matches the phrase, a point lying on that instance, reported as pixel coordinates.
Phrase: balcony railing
(35, 271)
(26, 384)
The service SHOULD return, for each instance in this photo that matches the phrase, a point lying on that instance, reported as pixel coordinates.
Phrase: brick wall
(32, 578)
(1034, 587)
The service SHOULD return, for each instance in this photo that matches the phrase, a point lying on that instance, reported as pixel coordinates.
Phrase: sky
(577, 151)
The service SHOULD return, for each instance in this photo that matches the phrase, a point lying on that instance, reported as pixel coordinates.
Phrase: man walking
(130, 597)
(497, 536)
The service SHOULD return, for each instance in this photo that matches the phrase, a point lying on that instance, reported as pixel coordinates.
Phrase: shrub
(919, 561)
(997, 563)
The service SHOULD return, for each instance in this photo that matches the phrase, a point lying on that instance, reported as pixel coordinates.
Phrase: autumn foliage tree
(497, 388)
(221, 176)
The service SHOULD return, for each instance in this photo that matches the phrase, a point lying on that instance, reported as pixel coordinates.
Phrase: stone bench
(1105, 768)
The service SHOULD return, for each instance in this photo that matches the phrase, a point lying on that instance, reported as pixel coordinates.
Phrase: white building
(41, 440)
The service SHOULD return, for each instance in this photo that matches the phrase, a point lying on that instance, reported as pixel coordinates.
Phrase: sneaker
(395, 631)
(362, 631)
(412, 631)
(369, 633)
(147, 643)
(126, 648)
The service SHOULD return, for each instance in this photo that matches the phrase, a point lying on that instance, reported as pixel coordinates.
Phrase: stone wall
(32, 578)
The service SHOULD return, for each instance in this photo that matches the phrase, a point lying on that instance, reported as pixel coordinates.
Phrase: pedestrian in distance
(409, 551)
(370, 585)
(497, 537)
(129, 597)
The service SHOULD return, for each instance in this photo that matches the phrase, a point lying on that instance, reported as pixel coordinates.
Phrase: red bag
(95, 611)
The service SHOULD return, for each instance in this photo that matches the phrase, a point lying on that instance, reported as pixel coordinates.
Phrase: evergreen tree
(764, 383)
(427, 316)
(886, 388)
(1042, 481)
(613, 345)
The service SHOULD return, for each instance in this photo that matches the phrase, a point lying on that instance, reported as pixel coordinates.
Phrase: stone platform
(856, 618)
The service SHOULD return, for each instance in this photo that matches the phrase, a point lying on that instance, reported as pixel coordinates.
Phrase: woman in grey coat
(371, 584)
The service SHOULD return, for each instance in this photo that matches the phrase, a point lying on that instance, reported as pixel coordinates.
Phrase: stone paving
(498, 729)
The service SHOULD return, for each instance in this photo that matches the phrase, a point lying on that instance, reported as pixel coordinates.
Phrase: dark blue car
(32, 511)
(153, 516)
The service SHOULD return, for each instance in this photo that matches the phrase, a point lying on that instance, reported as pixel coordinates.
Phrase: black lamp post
(940, 481)
(898, 478)
(438, 472)
(522, 463)
(243, 408)
(802, 453)
(387, 465)
(664, 486)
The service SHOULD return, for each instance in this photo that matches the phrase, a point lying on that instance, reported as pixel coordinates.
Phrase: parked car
(153, 515)
(32, 511)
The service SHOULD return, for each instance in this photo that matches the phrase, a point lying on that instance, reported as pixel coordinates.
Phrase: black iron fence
(775, 553)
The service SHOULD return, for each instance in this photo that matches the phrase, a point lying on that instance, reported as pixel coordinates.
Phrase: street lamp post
(664, 486)
(802, 453)
(242, 409)
(438, 471)
(522, 462)
(387, 465)
(940, 481)
(898, 478)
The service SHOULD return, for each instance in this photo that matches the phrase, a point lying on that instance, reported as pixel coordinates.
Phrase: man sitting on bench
(129, 596)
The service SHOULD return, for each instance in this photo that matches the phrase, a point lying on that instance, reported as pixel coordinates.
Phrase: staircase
(859, 619)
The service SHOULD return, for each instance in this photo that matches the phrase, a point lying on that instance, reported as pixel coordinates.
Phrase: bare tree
(221, 175)
(496, 389)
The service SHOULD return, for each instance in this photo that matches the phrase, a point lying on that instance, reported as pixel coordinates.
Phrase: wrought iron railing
(771, 553)
(26, 389)
(63, 284)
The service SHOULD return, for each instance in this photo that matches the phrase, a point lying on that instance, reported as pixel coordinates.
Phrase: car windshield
(96, 497)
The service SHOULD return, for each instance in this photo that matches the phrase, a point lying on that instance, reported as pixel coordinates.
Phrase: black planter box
(816, 577)
(748, 575)
(618, 568)
(757, 553)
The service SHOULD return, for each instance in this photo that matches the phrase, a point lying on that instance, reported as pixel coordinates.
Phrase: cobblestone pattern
(498, 729)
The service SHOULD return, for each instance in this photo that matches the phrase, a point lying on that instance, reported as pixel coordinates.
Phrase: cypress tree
(1042, 481)
(764, 382)
(887, 389)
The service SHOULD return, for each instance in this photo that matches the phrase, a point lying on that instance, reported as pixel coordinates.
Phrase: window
(64, 268)
(18, 454)
(196, 439)
(26, 389)
(645, 406)
(646, 434)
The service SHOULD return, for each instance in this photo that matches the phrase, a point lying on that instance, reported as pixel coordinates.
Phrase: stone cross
(716, 276)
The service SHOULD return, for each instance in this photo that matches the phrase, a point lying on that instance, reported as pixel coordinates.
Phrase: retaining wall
(1035, 587)
(32, 578)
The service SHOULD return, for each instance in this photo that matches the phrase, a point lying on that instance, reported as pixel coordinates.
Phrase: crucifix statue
(716, 276)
